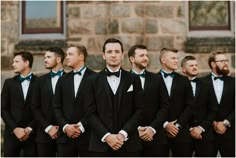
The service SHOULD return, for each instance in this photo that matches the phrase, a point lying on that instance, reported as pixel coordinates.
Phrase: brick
(159, 11)
(157, 43)
(132, 25)
(119, 10)
(100, 27)
(151, 26)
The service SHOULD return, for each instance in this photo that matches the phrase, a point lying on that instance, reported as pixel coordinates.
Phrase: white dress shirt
(193, 84)
(218, 87)
(54, 81)
(141, 78)
(168, 82)
(25, 85)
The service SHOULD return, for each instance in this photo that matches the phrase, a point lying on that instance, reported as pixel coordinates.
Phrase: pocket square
(130, 88)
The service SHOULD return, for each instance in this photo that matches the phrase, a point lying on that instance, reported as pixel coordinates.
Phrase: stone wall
(156, 24)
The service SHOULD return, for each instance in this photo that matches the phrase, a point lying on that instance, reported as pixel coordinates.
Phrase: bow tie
(140, 75)
(28, 78)
(108, 73)
(194, 80)
(80, 71)
(58, 73)
(220, 78)
(169, 74)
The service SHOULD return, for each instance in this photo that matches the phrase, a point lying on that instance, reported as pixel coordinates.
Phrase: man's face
(221, 64)
(19, 64)
(140, 58)
(191, 68)
(170, 60)
(50, 60)
(72, 57)
(113, 54)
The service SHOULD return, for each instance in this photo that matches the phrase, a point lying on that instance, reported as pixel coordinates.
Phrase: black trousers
(47, 149)
(13, 147)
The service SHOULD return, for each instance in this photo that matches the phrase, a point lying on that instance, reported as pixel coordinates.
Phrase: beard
(222, 71)
(191, 74)
(140, 66)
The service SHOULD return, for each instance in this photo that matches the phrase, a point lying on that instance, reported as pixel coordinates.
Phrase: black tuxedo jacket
(203, 111)
(155, 109)
(226, 108)
(69, 109)
(100, 110)
(181, 104)
(16, 112)
(42, 107)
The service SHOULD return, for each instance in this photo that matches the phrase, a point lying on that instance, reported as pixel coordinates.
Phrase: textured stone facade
(156, 24)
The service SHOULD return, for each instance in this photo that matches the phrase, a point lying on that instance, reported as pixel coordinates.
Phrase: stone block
(179, 42)
(157, 43)
(74, 12)
(94, 11)
(139, 40)
(154, 62)
(113, 26)
(233, 61)
(172, 26)
(95, 62)
(100, 27)
(139, 10)
(10, 30)
(6, 62)
(80, 27)
(119, 10)
(132, 25)
(159, 11)
(151, 26)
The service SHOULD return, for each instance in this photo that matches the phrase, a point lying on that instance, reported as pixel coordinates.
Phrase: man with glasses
(222, 97)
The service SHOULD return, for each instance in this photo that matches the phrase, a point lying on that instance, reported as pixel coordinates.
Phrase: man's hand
(121, 137)
(20, 133)
(219, 127)
(141, 130)
(113, 140)
(53, 132)
(196, 132)
(72, 131)
(147, 134)
(171, 129)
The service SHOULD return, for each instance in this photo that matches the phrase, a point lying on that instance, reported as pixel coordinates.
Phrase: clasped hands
(22, 133)
(196, 132)
(72, 130)
(171, 129)
(146, 133)
(115, 141)
(219, 127)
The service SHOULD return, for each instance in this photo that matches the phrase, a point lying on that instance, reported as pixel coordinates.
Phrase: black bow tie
(28, 78)
(53, 74)
(194, 80)
(108, 73)
(169, 74)
(220, 78)
(140, 75)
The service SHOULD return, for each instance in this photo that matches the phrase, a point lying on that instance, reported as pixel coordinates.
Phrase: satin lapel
(121, 87)
(30, 87)
(19, 87)
(212, 88)
(163, 82)
(82, 83)
(173, 86)
(147, 81)
(106, 85)
(226, 87)
(198, 87)
(49, 83)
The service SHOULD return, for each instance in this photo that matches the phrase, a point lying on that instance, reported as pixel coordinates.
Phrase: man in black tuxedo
(16, 112)
(203, 112)
(222, 97)
(47, 128)
(155, 108)
(113, 106)
(69, 105)
(180, 96)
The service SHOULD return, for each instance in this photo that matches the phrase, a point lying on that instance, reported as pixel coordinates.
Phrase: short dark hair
(26, 56)
(81, 50)
(212, 57)
(165, 50)
(58, 51)
(112, 40)
(187, 58)
(131, 51)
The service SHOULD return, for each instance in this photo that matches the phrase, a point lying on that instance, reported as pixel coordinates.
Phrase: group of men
(115, 112)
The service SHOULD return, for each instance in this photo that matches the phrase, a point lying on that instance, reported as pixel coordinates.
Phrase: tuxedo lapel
(226, 87)
(173, 86)
(121, 87)
(106, 86)
(19, 87)
(82, 83)
(30, 88)
(49, 83)
(198, 87)
(147, 81)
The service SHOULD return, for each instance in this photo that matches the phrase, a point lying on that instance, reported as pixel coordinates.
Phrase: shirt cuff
(203, 130)
(64, 127)
(104, 137)
(165, 124)
(154, 131)
(30, 129)
(48, 128)
(81, 127)
(125, 134)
